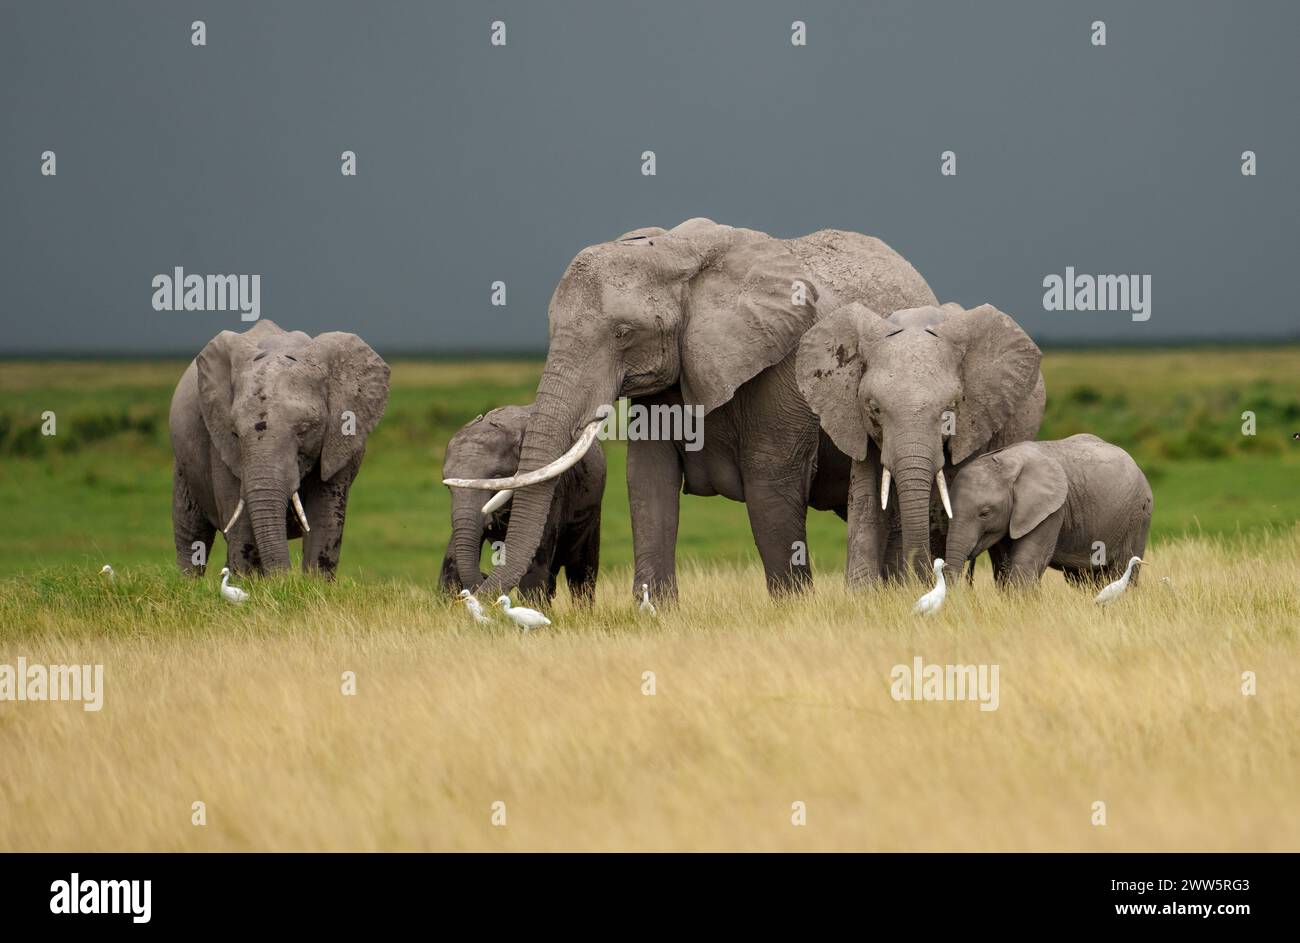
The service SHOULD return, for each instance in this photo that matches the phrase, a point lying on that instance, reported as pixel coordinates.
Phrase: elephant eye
(985, 511)
(873, 406)
(622, 331)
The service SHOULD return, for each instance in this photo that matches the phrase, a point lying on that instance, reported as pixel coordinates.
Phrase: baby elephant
(489, 447)
(1061, 504)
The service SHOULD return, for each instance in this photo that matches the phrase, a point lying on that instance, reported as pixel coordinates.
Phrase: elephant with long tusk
(268, 431)
(706, 317)
(489, 446)
(910, 397)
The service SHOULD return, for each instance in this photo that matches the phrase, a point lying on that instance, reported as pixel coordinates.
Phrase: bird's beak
(457, 598)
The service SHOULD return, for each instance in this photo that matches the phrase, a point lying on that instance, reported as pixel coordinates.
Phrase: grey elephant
(1079, 505)
(705, 316)
(489, 447)
(909, 397)
(268, 431)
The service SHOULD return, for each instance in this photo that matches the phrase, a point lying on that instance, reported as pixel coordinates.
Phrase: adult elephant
(907, 397)
(708, 316)
(268, 430)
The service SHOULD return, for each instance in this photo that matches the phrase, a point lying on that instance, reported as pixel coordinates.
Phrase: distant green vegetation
(99, 491)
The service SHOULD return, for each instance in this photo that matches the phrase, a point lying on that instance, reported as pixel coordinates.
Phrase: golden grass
(758, 705)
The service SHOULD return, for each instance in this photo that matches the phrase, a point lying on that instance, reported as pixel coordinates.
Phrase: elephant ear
(744, 310)
(356, 392)
(829, 368)
(999, 368)
(217, 393)
(1039, 489)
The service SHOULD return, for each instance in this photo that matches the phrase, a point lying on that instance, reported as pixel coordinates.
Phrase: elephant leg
(582, 561)
(778, 518)
(190, 526)
(325, 504)
(447, 576)
(1030, 554)
(868, 524)
(999, 555)
(654, 489)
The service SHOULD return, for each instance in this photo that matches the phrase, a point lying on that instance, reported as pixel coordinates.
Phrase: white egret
(646, 604)
(108, 571)
(230, 593)
(473, 605)
(1116, 589)
(525, 618)
(932, 601)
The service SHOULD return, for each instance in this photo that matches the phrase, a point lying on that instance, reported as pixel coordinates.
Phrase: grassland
(757, 704)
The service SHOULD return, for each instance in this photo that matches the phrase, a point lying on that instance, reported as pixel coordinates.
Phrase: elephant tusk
(498, 500)
(537, 475)
(302, 515)
(239, 509)
(943, 492)
(884, 490)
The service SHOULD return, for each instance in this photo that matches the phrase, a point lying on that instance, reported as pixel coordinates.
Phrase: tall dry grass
(757, 705)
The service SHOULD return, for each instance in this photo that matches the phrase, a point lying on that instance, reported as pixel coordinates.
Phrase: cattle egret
(932, 601)
(1116, 589)
(230, 593)
(646, 604)
(108, 571)
(473, 605)
(525, 618)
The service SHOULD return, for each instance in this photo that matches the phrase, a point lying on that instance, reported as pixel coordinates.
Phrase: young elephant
(489, 447)
(1038, 504)
(268, 430)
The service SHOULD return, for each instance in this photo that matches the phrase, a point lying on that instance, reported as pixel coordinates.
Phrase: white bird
(1116, 589)
(932, 601)
(108, 571)
(526, 619)
(473, 605)
(646, 604)
(230, 593)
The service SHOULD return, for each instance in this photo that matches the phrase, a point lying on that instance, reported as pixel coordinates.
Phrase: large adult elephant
(268, 430)
(708, 316)
(907, 397)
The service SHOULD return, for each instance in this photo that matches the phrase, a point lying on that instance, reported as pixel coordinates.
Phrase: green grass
(99, 490)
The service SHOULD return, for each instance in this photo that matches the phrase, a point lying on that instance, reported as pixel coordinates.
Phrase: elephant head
(1003, 493)
(278, 405)
(702, 305)
(929, 386)
(488, 447)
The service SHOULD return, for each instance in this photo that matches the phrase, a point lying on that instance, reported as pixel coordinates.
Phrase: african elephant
(273, 423)
(705, 316)
(906, 396)
(1080, 505)
(489, 447)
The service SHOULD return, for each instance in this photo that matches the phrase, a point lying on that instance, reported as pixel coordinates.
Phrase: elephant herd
(827, 375)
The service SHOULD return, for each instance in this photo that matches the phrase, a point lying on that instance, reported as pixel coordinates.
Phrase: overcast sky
(479, 163)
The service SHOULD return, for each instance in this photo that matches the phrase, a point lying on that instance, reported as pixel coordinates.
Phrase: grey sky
(479, 163)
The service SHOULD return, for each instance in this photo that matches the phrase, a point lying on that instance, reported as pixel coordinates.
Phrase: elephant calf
(489, 447)
(1080, 505)
(268, 430)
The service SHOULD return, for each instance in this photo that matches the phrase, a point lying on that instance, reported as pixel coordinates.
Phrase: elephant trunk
(267, 503)
(567, 399)
(913, 464)
(961, 546)
(467, 535)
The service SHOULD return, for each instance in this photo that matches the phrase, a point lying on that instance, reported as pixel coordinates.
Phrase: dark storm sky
(479, 163)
